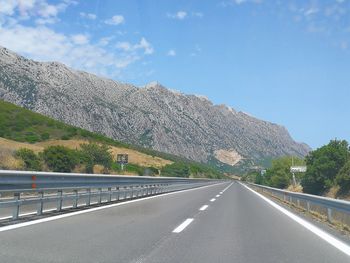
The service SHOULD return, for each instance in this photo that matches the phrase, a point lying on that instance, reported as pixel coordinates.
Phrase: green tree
(60, 158)
(31, 161)
(279, 174)
(323, 165)
(343, 177)
(94, 153)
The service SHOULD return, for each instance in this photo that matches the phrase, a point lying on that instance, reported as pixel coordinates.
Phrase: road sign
(122, 158)
(298, 169)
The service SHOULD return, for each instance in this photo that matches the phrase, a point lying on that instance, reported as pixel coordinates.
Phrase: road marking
(217, 196)
(204, 207)
(314, 229)
(34, 212)
(226, 188)
(181, 227)
(52, 218)
(221, 193)
(212, 200)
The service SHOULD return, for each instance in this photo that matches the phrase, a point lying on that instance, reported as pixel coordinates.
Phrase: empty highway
(219, 223)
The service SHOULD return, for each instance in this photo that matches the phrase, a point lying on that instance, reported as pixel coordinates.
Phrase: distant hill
(153, 116)
(22, 128)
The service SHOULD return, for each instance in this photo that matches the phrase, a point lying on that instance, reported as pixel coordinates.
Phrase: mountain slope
(153, 116)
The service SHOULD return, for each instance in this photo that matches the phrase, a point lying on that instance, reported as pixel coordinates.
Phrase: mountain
(152, 116)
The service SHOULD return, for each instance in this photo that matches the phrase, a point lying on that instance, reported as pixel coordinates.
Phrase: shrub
(93, 153)
(60, 158)
(343, 178)
(31, 161)
(323, 165)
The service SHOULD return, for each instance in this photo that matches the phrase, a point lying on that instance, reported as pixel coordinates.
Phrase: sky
(284, 61)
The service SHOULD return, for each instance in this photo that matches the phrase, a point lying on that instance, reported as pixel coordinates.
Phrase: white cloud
(198, 14)
(33, 8)
(311, 11)
(180, 15)
(142, 45)
(115, 20)
(43, 44)
(80, 39)
(171, 53)
(88, 15)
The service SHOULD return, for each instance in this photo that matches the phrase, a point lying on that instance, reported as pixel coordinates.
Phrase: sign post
(122, 159)
(297, 169)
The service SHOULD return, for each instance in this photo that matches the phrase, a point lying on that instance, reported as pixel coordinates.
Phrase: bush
(60, 158)
(96, 154)
(176, 170)
(323, 165)
(343, 178)
(31, 161)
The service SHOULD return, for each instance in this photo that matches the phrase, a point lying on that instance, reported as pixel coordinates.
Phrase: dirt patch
(230, 157)
(8, 147)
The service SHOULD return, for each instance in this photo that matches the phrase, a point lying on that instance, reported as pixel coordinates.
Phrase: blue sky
(284, 61)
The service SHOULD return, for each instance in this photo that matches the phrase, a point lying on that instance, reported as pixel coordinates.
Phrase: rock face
(151, 116)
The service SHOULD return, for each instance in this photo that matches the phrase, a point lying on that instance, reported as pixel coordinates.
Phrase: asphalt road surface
(218, 223)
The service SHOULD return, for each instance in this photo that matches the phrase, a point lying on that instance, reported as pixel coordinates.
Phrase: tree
(343, 177)
(323, 165)
(94, 153)
(31, 161)
(279, 174)
(60, 158)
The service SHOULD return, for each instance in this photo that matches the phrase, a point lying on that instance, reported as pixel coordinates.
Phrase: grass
(26, 129)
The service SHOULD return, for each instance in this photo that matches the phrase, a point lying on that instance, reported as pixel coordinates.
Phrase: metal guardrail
(307, 200)
(23, 188)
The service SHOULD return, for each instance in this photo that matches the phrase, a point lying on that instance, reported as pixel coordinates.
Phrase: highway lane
(190, 226)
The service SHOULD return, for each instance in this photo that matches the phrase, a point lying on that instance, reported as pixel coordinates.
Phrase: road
(199, 225)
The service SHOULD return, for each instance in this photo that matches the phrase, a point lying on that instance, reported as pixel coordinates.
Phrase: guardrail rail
(333, 209)
(25, 190)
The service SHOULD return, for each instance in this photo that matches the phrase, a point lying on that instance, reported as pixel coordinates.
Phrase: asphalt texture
(237, 227)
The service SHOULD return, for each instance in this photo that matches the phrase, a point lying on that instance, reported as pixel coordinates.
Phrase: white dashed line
(181, 227)
(212, 200)
(204, 207)
(217, 196)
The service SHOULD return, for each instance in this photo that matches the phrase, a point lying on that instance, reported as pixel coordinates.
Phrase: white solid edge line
(183, 225)
(212, 200)
(203, 207)
(52, 218)
(314, 229)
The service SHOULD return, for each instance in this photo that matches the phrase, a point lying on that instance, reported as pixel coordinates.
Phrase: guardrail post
(75, 201)
(290, 199)
(284, 197)
(109, 194)
(88, 201)
(298, 202)
(118, 192)
(15, 212)
(329, 215)
(59, 202)
(99, 195)
(40, 204)
(308, 206)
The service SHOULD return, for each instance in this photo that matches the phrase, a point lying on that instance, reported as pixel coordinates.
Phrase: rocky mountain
(150, 116)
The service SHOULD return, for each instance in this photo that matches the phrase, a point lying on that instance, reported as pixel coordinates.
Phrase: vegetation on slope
(328, 170)
(22, 125)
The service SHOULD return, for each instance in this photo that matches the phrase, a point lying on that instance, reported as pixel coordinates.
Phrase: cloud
(171, 53)
(33, 8)
(198, 14)
(43, 44)
(142, 45)
(88, 15)
(180, 15)
(80, 39)
(239, 2)
(115, 20)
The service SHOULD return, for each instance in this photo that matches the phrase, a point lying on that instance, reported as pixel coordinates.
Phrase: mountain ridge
(152, 116)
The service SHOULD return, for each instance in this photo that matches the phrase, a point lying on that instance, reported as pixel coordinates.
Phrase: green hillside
(22, 125)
